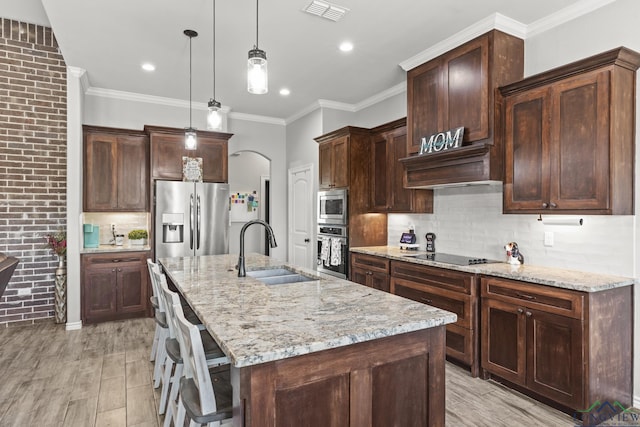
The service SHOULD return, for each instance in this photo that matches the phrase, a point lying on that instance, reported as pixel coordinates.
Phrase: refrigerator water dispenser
(172, 228)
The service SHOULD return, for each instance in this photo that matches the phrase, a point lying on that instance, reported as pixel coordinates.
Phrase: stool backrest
(172, 305)
(154, 275)
(195, 363)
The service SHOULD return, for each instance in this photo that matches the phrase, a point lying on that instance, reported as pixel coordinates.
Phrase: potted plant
(138, 237)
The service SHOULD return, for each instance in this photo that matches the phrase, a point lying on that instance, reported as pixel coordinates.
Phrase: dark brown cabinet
(556, 342)
(388, 146)
(449, 290)
(167, 151)
(334, 163)
(457, 89)
(114, 286)
(569, 138)
(116, 170)
(371, 271)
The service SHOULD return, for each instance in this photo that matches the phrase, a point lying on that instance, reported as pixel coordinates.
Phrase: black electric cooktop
(453, 259)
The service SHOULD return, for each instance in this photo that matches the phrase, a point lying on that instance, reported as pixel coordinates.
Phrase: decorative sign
(442, 141)
(192, 169)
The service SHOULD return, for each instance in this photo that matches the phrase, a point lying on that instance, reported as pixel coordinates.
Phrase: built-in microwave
(332, 207)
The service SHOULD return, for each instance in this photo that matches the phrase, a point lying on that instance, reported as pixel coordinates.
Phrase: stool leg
(166, 379)
(160, 359)
(154, 347)
(181, 414)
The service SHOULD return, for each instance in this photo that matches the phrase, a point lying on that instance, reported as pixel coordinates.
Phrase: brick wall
(33, 109)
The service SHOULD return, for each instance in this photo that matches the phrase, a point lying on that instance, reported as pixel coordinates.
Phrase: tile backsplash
(124, 221)
(469, 221)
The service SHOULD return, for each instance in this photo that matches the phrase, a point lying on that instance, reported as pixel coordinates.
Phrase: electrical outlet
(113, 227)
(548, 238)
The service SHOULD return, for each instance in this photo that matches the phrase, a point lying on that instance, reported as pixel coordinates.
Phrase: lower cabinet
(571, 347)
(114, 286)
(449, 290)
(371, 271)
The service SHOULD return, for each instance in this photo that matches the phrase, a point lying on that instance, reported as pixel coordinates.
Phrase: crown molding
(257, 118)
(565, 15)
(381, 96)
(495, 21)
(80, 74)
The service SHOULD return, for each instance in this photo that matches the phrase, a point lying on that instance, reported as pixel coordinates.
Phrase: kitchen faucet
(272, 242)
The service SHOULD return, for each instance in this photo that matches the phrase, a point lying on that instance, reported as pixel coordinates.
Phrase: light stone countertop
(113, 248)
(255, 323)
(556, 277)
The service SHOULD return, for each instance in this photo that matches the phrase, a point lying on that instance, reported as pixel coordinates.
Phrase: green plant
(138, 234)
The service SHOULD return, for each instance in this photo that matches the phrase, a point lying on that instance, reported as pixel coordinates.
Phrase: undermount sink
(279, 276)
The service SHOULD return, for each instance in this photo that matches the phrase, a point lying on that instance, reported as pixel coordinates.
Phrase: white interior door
(301, 216)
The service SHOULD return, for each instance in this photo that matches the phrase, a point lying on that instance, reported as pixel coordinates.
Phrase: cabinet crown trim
(345, 131)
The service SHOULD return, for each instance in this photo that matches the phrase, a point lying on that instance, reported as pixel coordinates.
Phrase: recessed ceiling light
(346, 46)
(284, 91)
(147, 66)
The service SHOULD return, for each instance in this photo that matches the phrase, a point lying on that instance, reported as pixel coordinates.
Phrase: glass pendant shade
(190, 139)
(257, 78)
(214, 118)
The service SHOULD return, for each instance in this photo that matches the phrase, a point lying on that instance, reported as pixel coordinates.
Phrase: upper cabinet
(457, 89)
(334, 163)
(387, 192)
(167, 151)
(569, 138)
(116, 171)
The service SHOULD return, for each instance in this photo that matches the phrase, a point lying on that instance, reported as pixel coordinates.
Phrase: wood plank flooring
(101, 376)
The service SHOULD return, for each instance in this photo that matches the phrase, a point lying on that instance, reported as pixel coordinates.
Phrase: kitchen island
(325, 352)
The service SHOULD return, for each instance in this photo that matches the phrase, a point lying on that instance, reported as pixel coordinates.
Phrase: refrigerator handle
(191, 221)
(198, 222)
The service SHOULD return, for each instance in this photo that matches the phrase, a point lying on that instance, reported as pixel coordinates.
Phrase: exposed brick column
(33, 108)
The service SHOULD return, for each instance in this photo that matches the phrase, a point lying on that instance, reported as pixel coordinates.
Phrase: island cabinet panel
(167, 151)
(449, 290)
(554, 343)
(369, 270)
(457, 89)
(114, 286)
(116, 170)
(569, 138)
(397, 380)
(388, 146)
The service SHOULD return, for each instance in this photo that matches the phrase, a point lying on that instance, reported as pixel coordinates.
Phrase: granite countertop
(557, 277)
(113, 248)
(254, 323)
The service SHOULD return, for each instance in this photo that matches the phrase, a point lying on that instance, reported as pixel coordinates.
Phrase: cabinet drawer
(370, 262)
(455, 302)
(434, 276)
(552, 300)
(114, 258)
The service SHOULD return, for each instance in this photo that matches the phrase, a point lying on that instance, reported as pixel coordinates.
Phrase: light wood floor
(101, 376)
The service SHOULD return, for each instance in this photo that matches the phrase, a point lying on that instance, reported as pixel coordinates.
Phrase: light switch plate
(548, 238)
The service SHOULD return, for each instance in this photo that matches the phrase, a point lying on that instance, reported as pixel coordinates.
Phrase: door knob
(306, 240)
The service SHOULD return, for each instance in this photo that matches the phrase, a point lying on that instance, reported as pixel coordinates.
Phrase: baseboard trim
(73, 326)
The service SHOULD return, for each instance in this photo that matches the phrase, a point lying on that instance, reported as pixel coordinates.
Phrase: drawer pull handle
(529, 314)
(520, 311)
(525, 296)
(427, 300)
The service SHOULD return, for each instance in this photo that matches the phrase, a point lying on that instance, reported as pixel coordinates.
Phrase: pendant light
(214, 119)
(257, 79)
(190, 137)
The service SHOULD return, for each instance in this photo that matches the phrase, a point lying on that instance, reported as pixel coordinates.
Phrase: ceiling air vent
(327, 10)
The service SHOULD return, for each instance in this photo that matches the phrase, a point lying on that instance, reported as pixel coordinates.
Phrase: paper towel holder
(560, 221)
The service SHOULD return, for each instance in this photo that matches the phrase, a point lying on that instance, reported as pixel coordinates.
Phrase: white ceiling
(110, 40)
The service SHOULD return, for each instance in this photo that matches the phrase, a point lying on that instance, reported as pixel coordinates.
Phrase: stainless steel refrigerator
(191, 218)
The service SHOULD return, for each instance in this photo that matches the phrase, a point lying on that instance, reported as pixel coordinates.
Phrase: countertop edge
(104, 249)
(548, 276)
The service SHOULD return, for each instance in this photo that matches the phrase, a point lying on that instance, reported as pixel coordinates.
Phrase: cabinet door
(325, 158)
(580, 142)
(527, 151)
(340, 163)
(133, 174)
(466, 79)
(425, 103)
(166, 156)
(100, 172)
(554, 357)
(380, 174)
(401, 198)
(132, 289)
(99, 293)
(503, 340)
(214, 159)
(379, 281)
(359, 275)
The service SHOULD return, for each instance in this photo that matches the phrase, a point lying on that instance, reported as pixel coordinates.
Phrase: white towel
(325, 250)
(336, 251)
